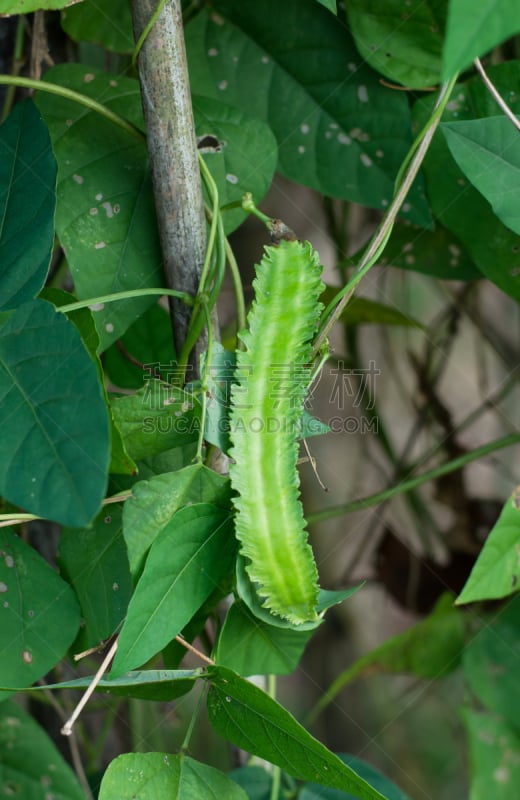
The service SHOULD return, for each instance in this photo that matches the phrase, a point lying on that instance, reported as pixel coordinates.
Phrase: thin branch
(493, 91)
(194, 650)
(67, 728)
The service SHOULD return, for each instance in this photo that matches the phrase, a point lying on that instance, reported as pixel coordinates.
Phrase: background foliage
(306, 98)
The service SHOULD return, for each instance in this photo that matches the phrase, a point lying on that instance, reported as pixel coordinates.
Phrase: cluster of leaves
(294, 88)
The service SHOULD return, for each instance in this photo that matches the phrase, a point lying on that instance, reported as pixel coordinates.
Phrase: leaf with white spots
(31, 767)
(493, 248)
(294, 65)
(245, 158)
(401, 39)
(105, 217)
(494, 757)
(157, 418)
(95, 562)
(438, 253)
(32, 598)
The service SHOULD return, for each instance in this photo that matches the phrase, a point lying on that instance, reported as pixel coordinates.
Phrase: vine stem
(413, 483)
(411, 166)
(77, 97)
(496, 94)
(276, 774)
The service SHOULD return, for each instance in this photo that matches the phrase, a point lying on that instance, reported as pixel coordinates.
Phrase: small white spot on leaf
(301, 149)
(223, 85)
(78, 178)
(93, 211)
(109, 327)
(99, 197)
(97, 306)
(100, 245)
(109, 210)
(501, 775)
(212, 52)
(231, 178)
(305, 128)
(362, 93)
(27, 656)
(89, 77)
(366, 160)
(344, 139)
(9, 561)
(3, 587)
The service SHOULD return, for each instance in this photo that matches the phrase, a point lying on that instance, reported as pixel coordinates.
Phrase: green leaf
(55, 440)
(159, 417)
(108, 24)
(491, 663)
(327, 599)
(149, 343)
(245, 158)
(361, 310)
(189, 558)
(120, 461)
(160, 685)
(488, 152)
(26, 6)
(493, 248)
(496, 572)
(330, 4)
(494, 748)
(343, 134)
(438, 253)
(248, 717)
(39, 614)
(150, 776)
(255, 781)
(313, 791)
(474, 28)
(94, 560)
(27, 169)
(32, 768)
(105, 217)
(155, 501)
(402, 41)
(251, 647)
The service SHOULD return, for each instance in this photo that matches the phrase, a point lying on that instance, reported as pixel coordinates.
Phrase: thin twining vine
(405, 178)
